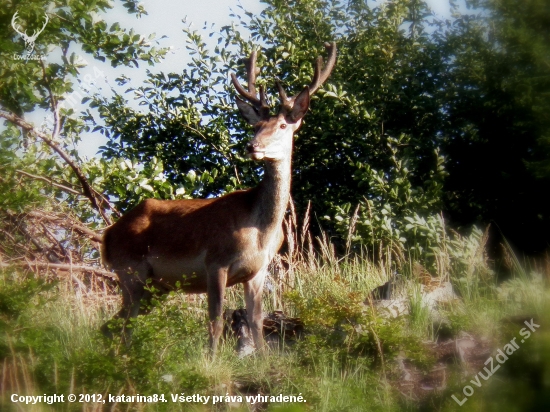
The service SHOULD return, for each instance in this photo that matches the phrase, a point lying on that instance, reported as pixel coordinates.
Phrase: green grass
(50, 343)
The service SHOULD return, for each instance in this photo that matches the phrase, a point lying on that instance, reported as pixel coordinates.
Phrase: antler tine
(263, 98)
(260, 104)
(45, 23)
(322, 74)
(14, 22)
(282, 94)
(251, 97)
(252, 71)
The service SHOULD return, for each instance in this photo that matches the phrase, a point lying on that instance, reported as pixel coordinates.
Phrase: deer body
(210, 244)
(244, 242)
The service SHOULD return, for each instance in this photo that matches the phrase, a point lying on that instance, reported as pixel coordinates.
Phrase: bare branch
(53, 102)
(50, 181)
(39, 247)
(77, 226)
(61, 266)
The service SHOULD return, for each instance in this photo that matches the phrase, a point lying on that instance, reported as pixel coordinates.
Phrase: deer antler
(37, 32)
(320, 76)
(260, 104)
(14, 24)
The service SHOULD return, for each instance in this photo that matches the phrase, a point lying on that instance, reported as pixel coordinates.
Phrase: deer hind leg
(253, 297)
(216, 283)
(133, 282)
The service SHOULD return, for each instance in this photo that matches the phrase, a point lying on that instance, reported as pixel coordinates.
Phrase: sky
(165, 19)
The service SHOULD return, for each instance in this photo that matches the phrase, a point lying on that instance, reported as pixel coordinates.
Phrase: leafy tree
(30, 83)
(376, 118)
(419, 115)
(42, 179)
(496, 136)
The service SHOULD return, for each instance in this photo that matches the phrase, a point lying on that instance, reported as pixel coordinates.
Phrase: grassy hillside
(353, 355)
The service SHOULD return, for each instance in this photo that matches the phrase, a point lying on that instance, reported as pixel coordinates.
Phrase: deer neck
(273, 195)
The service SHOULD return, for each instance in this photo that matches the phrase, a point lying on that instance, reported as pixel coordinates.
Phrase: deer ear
(301, 104)
(248, 112)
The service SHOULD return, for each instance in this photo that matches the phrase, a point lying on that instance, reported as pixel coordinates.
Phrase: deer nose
(252, 147)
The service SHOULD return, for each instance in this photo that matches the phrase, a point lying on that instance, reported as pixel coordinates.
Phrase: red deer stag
(209, 244)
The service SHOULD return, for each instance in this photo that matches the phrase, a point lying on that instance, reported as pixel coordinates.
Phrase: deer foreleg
(216, 282)
(253, 297)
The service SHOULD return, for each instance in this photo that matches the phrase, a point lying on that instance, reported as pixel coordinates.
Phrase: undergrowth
(346, 361)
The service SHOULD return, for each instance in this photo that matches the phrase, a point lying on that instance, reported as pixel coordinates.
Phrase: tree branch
(61, 266)
(76, 226)
(53, 103)
(88, 191)
(50, 181)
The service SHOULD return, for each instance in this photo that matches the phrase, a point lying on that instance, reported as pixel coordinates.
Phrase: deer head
(29, 40)
(273, 133)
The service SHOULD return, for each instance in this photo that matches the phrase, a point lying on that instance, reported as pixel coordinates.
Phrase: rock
(392, 308)
(463, 344)
(440, 295)
(433, 296)
(383, 292)
(405, 374)
(277, 328)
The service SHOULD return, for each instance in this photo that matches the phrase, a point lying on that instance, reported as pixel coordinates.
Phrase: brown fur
(179, 229)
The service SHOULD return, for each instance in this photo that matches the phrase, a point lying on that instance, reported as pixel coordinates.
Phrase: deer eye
(283, 126)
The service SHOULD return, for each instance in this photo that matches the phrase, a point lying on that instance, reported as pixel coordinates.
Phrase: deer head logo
(29, 40)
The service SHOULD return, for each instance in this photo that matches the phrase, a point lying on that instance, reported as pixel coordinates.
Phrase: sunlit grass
(50, 339)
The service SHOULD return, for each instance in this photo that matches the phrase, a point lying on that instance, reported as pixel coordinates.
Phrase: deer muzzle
(255, 152)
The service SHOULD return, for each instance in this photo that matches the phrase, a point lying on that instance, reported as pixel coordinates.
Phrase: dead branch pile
(53, 244)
